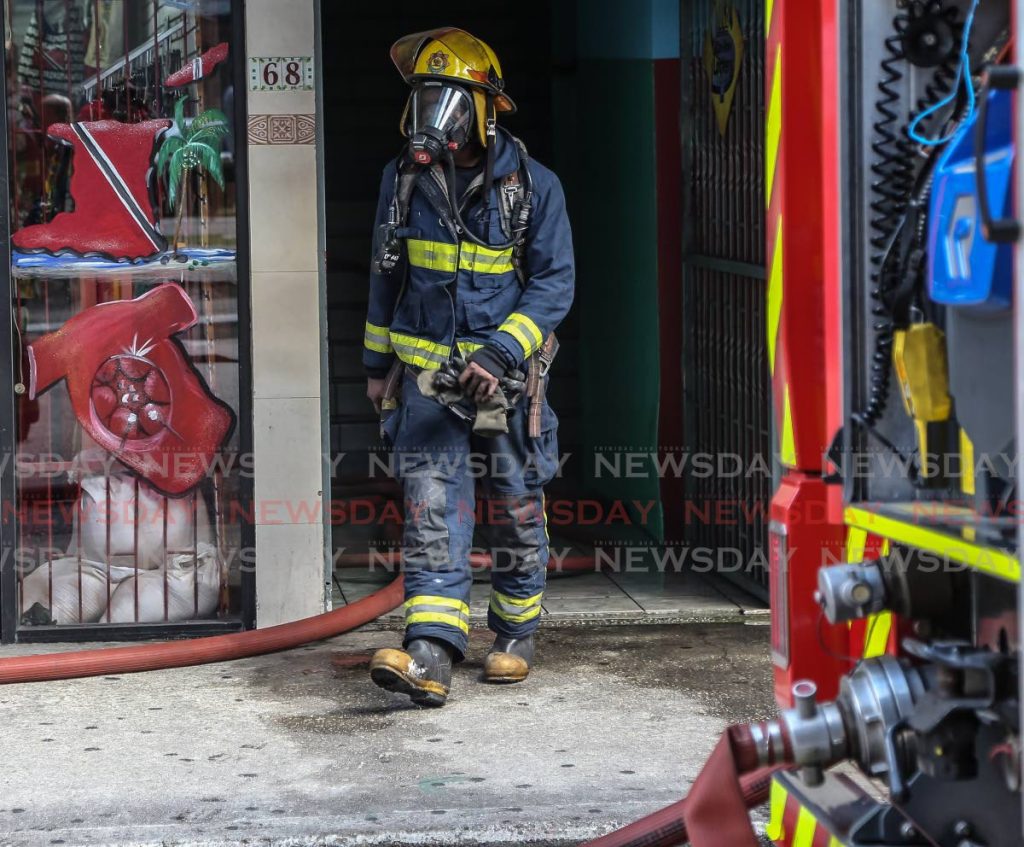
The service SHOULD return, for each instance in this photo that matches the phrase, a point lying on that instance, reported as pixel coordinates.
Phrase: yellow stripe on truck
(775, 297)
(773, 131)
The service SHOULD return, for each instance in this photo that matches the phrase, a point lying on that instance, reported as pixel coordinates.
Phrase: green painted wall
(604, 107)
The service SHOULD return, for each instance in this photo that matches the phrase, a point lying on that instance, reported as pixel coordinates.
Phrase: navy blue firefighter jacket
(445, 293)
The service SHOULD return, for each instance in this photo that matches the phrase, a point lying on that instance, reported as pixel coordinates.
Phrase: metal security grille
(725, 372)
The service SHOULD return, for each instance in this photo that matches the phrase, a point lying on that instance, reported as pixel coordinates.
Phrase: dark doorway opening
(363, 100)
(587, 111)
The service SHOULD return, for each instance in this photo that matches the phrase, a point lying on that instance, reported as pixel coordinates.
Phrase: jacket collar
(506, 159)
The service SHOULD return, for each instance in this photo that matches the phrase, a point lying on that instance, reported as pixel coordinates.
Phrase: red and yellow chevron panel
(798, 33)
(793, 824)
(875, 635)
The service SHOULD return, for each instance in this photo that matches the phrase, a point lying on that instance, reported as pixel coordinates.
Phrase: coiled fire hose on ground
(226, 648)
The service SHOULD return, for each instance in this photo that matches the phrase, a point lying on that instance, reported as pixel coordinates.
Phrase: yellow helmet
(453, 54)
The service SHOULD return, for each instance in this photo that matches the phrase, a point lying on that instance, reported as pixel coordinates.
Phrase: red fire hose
(226, 648)
(715, 814)
(201, 651)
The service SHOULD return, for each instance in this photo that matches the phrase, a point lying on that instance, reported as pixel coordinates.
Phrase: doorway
(587, 110)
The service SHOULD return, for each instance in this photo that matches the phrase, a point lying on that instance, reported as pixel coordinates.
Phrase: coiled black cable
(892, 180)
(898, 190)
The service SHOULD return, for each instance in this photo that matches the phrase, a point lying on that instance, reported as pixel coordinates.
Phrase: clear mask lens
(445, 108)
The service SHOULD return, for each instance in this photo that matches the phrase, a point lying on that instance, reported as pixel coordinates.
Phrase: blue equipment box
(965, 269)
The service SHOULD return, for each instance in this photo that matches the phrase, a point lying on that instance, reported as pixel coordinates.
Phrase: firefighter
(472, 271)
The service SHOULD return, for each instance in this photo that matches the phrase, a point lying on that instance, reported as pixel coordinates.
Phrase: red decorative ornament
(133, 389)
(198, 68)
(131, 397)
(113, 214)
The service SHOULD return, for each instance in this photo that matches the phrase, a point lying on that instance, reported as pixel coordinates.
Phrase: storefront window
(124, 285)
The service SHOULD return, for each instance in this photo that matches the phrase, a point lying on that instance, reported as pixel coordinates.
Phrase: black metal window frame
(10, 631)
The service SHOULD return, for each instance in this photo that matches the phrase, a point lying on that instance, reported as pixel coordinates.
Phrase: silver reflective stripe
(453, 613)
(441, 610)
(531, 331)
(413, 351)
(505, 607)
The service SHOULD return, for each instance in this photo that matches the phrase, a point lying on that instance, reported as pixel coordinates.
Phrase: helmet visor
(446, 108)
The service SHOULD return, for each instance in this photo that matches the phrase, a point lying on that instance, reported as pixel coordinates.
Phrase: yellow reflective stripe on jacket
(377, 338)
(443, 256)
(433, 255)
(486, 260)
(419, 352)
(522, 328)
(468, 348)
(515, 609)
(427, 608)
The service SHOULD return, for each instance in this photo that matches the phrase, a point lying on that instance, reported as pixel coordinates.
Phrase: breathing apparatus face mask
(440, 119)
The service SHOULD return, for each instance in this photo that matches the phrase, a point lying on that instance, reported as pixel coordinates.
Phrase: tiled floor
(595, 597)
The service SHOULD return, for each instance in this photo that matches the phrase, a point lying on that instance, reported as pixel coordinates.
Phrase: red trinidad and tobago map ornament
(113, 214)
(198, 68)
(134, 390)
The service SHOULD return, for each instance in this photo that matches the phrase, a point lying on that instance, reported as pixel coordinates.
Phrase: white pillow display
(95, 513)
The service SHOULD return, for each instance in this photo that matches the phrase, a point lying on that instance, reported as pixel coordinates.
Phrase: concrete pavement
(299, 748)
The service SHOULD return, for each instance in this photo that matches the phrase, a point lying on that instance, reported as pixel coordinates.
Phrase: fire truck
(894, 268)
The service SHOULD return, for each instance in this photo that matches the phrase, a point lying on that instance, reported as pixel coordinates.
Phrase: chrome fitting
(848, 592)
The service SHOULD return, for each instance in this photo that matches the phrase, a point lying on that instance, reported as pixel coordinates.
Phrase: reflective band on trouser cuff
(525, 331)
(377, 338)
(433, 255)
(425, 608)
(485, 260)
(419, 352)
(515, 609)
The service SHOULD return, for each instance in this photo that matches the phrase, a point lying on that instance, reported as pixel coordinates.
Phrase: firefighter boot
(423, 670)
(509, 659)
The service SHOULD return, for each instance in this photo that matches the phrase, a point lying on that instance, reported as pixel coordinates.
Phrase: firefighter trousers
(441, 463)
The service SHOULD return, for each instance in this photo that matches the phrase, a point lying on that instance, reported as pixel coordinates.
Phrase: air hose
(716, 811)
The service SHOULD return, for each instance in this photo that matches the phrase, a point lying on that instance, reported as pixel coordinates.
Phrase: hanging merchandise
(198, 68)
(52, 53)
(110, 183)
(723, 59)
(133, 389)
(209, 8)
(105, 17)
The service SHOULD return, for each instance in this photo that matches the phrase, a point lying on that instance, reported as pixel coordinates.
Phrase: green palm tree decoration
(195, 146)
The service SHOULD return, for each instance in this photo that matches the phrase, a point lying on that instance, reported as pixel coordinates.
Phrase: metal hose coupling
(862, 724)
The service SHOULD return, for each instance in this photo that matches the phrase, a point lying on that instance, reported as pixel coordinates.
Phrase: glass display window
(130, 360)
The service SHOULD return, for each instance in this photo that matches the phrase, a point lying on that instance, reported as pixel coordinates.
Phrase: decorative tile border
(282, 129)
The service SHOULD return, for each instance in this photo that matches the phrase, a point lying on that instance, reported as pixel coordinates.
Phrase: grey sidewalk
(299, 748)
